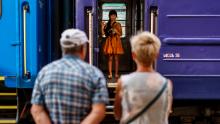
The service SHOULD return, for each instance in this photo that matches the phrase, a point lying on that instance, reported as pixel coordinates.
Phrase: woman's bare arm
(96, 115)
(170, 97)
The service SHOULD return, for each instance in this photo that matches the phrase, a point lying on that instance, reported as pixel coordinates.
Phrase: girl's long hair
(108, 27)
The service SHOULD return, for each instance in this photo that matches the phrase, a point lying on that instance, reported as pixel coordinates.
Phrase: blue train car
(22, 52)
(21, 39)
(29, 33)
(190, 36)
(189, 33)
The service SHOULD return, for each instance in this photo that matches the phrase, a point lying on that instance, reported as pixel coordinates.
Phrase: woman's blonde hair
(146, 46)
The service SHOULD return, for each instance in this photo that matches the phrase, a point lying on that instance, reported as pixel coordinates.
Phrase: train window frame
(124, 15)
(0, 8)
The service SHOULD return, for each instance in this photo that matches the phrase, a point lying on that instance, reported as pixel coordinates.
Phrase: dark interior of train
(63, 18)
(130, 15)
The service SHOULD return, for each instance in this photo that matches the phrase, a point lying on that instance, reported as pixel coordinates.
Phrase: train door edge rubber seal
(0, 8)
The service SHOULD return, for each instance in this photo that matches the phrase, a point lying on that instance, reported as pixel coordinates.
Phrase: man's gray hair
(73, 50)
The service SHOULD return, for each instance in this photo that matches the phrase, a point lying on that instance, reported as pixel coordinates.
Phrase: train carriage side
(190, 36)
(189, 32)
(22, 52)
(22, 42)
(190, 41)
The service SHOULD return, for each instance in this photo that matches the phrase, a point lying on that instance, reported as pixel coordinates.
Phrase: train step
(2, 78)
(8, 121)
(8, 104)
(110, 118)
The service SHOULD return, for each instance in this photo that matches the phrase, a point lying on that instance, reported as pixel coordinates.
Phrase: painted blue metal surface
(36, 45)
(80, 15)
(49, 16)
(148, 5)
(95, 35)
(12, 40)
(80, 22)
(189, 18)
(190, 35)
(196, 88)
(146, 16)
(10, 43)
(43, 34)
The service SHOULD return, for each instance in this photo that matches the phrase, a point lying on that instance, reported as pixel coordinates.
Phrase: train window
(0, 8)
(121, 12)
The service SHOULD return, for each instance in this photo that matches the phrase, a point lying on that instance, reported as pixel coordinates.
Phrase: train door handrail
(89, 12)
(25, 10)
(153, 26)
(153, 20)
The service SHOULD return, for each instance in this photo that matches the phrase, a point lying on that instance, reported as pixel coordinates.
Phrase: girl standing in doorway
(113, 46)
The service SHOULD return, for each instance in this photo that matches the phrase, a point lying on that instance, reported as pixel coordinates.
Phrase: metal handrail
(25, 9)
(153, 27)
(89, 12)
(153, 19)
(152, 22)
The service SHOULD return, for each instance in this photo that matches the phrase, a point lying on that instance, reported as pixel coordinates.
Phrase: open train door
(89, 16)
(190, 36)
(124, 13)
(21, 39)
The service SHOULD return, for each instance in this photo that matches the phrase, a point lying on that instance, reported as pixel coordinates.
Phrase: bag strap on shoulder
(129, 120)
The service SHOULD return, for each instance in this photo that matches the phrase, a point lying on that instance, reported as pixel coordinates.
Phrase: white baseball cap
(72, 38)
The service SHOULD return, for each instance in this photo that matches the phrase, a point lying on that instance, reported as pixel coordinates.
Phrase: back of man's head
(72, 41)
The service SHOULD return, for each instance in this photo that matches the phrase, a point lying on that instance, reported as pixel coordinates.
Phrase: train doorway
(130, 16)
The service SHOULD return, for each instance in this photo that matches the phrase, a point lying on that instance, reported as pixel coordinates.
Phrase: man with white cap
(70, 91)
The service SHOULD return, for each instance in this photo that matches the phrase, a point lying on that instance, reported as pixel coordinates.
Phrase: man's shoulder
(80, 67)
(51, 66)
(92, 69)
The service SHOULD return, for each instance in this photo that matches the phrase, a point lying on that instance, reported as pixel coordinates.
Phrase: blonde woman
(136, 90)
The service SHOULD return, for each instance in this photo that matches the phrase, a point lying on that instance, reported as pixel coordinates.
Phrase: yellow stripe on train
(2, 78)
